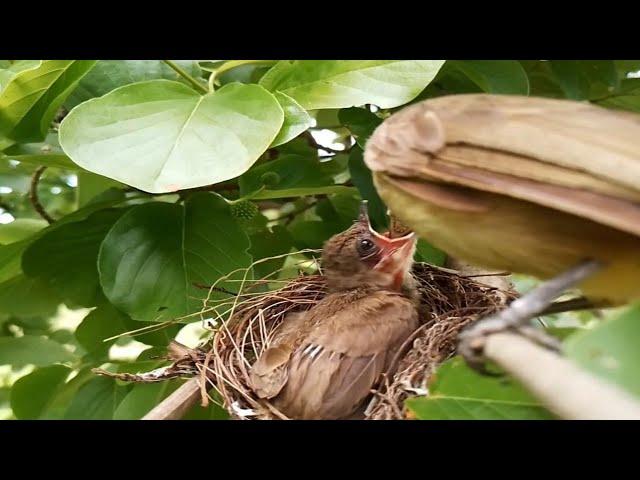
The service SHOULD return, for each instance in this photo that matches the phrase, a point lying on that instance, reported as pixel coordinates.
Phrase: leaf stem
(234, 64)
(180, 71)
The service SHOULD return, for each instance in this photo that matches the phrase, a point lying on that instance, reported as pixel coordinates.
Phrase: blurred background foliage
(88, 257)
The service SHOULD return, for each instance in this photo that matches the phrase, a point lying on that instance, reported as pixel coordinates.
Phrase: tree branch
(562, 387)
(176, 405)
(33, 195)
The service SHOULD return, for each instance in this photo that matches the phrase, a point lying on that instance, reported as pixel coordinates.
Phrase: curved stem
(33, 195)
(198, 86)
(234, 64)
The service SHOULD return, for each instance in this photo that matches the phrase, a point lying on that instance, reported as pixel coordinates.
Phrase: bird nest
(449, 302)
(243, 324)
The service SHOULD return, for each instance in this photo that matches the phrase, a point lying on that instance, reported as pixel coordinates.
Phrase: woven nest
(449, 302)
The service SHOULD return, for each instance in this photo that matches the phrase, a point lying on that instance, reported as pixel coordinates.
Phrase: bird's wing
(270, 372)
(336, 366)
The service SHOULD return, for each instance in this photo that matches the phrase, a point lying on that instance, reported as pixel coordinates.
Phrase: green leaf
(10, 70)
(610, 349)
(30, 101)
(10, 260)
(363, 180)
(106, 321)
(459, 393)
(31, 394)
(110, 74)
(142, 398)
(585, 79)
(161, 136)
(627, 66)
(24, 296)
(626, 98)
(425, 252)
(360, 122)
(270, 243)
(154, 254)
(293, 171)
(103, 322)
(20, 229)
(66, 257)
(313, 233)
(296, 119)
(97, 399)
(32, 350)
(91, 185)
(317, 84)
(212, 412)
(495, 76)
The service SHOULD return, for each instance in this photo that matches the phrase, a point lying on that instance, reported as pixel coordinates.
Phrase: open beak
(396, 254)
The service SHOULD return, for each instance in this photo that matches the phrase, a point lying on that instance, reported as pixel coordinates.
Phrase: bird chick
(323, 363)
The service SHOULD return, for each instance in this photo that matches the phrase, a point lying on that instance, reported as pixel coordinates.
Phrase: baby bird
(323, 363)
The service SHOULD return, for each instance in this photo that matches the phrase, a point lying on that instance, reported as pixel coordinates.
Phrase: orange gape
(323, 363)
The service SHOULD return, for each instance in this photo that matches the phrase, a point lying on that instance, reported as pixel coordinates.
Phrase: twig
(565, 389)
(215, 289)
(33, 195)
(201, 88)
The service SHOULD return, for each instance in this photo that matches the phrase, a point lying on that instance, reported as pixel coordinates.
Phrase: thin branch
(33, 195)
(198, 86)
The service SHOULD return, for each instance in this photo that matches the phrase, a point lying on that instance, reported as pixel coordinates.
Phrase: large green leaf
(360, 122)
(142, 398)
(91, 185)
(98, 399)
(66, 257)
(31, 394)
(12, 68)
(32, 350)
(425, 252)
(10, 260)
(610, 349)
(20, 229)
(24, 296)
(290, 171)
(270, 243)
(626, 98)
(585, 79)
(103, 322)
(459, 393)
(106, 321)
(317, 84)
(296, 119)
(110, 74)
(30, 101)
(154, 254)
(363, 180)
(161, 136)
(495, 76)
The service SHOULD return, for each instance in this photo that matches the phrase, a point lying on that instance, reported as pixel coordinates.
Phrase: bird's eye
(366, 247)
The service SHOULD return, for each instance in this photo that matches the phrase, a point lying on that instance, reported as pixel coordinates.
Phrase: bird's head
(360, 256)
